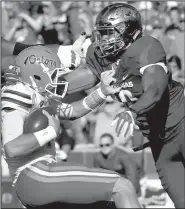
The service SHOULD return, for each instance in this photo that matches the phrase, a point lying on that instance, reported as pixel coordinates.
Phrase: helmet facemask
(57, 87)
(52, 83)
(117, 38)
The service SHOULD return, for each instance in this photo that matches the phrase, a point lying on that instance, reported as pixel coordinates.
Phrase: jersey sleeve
(12, 125)
(90, 62)
(152, 52)
(144, 52)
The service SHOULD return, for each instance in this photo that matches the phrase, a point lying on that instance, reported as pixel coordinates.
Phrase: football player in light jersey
(154, 101)
(37, 178)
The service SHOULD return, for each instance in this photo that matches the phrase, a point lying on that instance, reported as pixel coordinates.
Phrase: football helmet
(42, 70)
(116, 27)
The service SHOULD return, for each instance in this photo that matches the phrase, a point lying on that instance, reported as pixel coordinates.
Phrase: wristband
(102, 95)
(46, 135)
(95, 99)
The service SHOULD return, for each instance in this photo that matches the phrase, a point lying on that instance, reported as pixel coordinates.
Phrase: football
(36, 120)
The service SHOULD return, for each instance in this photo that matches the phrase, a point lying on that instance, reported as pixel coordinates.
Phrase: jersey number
(126, 96)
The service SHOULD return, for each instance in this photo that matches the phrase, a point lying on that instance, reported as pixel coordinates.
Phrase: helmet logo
(116, 14)
(119, 12)
(33, 59)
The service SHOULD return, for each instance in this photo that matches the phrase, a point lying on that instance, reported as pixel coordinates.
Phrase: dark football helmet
(116, 27)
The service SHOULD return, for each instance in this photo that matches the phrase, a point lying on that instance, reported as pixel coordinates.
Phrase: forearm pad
(95, 99)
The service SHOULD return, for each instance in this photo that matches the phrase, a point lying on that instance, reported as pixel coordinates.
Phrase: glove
(125, 123)
(78, 45)
(11, 75)
(70, 56)
(81, 45)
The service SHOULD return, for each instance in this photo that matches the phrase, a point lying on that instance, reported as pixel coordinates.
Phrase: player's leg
(172, 179)
(171, 170)
(106, 185)
(73, 184)
(124, 194)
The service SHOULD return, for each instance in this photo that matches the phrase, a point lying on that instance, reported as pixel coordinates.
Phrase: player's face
(106, 145)
(107, 37)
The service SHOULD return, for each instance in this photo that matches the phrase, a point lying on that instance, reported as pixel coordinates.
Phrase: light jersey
(17, 101)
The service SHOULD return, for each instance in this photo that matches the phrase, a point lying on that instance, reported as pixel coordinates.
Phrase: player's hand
(78, 45)
(125, 123)
(12, 75)
(53, 121)
(77, 52)
(107, 80)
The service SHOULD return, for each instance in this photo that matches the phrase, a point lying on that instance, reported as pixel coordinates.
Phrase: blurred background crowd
(62, 22)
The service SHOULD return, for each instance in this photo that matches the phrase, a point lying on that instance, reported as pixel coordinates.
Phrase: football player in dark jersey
(153, 101)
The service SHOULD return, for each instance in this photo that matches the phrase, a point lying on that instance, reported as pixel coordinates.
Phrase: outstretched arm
(10, 48)
(95, 99)
(70, 56)
(80, 108)
(80, 79)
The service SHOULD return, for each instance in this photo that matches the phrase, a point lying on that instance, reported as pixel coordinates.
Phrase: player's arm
(154, 83)
(70, 55)
(15, 142)
(80, 79)
(80, 108)
(89, 103)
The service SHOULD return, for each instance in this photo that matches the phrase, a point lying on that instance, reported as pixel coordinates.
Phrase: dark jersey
(169, 112)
